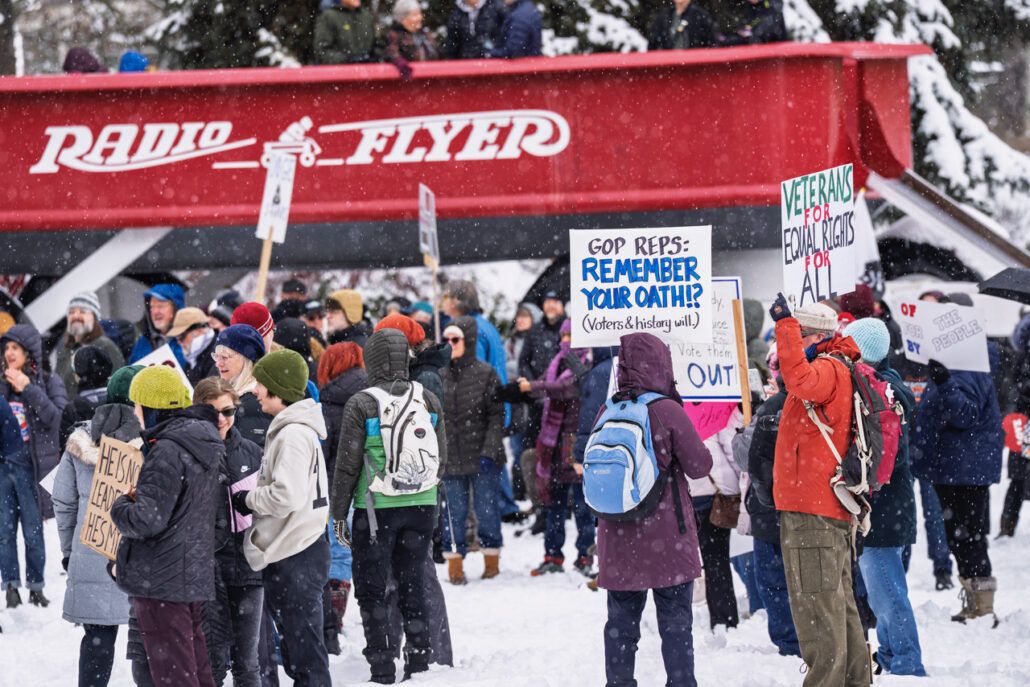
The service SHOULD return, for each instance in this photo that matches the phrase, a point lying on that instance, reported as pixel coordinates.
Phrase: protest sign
(953, 335)
(277, 198)
(117, 470)
(165, 356)
(820, 258)
(711, 371)
(428, 243)
(870, 268)
(640, 280)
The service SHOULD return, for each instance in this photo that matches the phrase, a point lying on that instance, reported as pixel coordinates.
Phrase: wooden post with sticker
(117, 470)
(741, 336)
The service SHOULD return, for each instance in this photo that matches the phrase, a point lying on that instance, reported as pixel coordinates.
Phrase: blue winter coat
(593, 393)
(520, 32)
(958, 439)
(490, 349)
(12, 448)
(150, 340)
(894, 506)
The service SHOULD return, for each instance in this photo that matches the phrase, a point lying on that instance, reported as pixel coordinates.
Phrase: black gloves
(239, 503)
(510, 393)
(64, 562)
(779, 308)
(938, 373)
(342, 532)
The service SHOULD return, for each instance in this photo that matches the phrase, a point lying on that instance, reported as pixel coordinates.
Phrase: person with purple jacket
(660, 552)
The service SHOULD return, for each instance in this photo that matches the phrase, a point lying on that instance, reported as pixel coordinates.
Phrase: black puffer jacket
(428, 365)
(765, 521)
(44, 400)
(168, 532)
(540, 348)
(80, 409)
(242, 459)
(334, 397)
(251, 421)
(475, 416)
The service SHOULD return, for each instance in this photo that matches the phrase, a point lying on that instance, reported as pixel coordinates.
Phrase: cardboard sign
(278, 194)
(641, 280)
(953, 335)
(117, 470)
(820, 258)
(165, 356)
(427, 240)
(710, 371)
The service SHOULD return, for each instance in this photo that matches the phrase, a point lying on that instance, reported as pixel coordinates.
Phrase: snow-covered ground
(520, 631)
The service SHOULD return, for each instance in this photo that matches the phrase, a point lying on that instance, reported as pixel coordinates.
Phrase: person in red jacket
(816, 530)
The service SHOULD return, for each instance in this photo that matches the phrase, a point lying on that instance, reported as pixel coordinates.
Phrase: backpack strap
(674, 466)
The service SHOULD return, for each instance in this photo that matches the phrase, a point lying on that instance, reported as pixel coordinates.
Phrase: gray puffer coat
(91, 595)
(475, 416)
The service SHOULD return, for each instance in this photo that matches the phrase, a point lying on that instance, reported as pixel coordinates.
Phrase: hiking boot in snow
(551, 564)
(1006, 529)
(384, 673)
(339, 590)
(492, 558)
(455, 568)
(13, 597)
(332, 642)
(415, 661)
(942, 580)
(37, 599)
(583, 565)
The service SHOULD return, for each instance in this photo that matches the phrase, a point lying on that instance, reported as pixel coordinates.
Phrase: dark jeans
(715, 557)
(936, 539)
(96, 655)
(966, 512)
(19, 502)
(1013, 502)
(622, 634)
(744, 564)
(554, 535)
(456, 492)
(436, 615)
(174, 642)
(400, 553)
(293, 588)
(772, 587)
(232, 628)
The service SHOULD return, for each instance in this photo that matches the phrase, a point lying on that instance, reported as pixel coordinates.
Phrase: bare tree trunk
(8, 62)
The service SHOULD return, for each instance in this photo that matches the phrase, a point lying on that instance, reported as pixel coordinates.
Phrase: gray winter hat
(87, 300)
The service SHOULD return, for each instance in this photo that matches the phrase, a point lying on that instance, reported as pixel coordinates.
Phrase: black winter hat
(93, 367)
(293, 334)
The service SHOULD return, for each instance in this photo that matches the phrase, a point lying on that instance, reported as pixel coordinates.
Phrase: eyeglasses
(223, 357)
(229, 412)
(455, 339)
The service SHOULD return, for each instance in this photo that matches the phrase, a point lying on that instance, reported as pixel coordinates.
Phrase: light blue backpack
(622, 480)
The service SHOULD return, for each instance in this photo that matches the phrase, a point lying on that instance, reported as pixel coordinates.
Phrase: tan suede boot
(492, 558)
(982, 590)
(455, 568)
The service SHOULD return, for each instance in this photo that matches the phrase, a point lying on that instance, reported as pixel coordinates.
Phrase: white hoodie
(291, 501)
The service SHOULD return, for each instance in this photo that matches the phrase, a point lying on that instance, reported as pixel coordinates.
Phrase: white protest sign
(710, 371)
(165, 356)
(820, 258)
(275, 203)
(640, 280)
(953, 335)
(427, 241)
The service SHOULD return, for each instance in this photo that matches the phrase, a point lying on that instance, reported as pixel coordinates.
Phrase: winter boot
(965, 595)
(455, 568)
(492, 558)
(551, 564)
(339, 590)
(13, 597)
(942, 580)
(983, 589)
(583, 565)
(37, 599)
(416, 661)
(332, 642)
(384, 673)
(1007, 528)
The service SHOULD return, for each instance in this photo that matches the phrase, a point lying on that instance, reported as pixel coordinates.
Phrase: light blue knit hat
(872, 337)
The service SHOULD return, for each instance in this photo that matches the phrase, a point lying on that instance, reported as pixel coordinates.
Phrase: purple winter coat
(651, 553)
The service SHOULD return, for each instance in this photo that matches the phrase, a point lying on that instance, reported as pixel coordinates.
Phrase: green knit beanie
(284, 373)
(118, 385)
(159, 387)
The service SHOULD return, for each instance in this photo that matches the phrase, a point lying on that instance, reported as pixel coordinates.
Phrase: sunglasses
(455, 339)
(229, 412)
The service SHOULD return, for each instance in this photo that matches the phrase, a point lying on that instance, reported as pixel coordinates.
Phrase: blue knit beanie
(243, 339)
(872, 337)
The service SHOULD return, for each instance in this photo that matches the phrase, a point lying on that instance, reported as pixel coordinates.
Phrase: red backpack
(875, 435)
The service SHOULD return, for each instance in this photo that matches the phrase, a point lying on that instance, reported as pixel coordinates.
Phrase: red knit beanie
(256, 315)
(411, 329)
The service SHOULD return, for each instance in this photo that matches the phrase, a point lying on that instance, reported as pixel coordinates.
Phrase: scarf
(555, 409)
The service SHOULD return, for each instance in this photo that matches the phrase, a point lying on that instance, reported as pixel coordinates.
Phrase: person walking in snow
(392, 533)
(170, 516)
(660, 552)
(288, 541)
(893, 520)
(815, 527)
(91, 597)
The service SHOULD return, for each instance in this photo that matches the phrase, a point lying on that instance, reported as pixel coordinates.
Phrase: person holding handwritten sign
(166, 559)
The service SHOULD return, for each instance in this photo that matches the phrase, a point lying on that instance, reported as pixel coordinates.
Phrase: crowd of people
(313, 452)
(349, 32)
